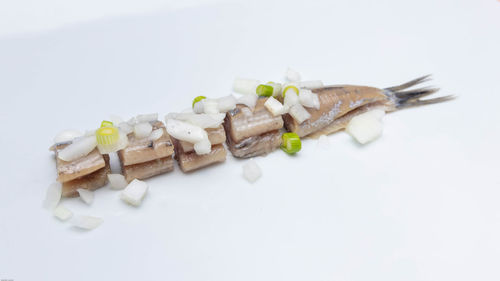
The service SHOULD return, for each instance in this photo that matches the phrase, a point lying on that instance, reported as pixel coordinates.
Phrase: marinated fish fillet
(244, 123)
(148, 169)
(144, 150)
(215, 135)
(190, 161)
(338, 101)
(67, 171)
(91, 181)
(256, 145)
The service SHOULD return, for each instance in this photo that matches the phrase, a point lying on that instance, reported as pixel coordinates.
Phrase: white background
(420, 203)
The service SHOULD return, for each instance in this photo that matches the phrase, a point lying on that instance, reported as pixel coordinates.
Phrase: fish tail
(404, 97)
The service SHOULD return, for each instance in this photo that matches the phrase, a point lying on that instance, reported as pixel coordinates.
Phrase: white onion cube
(245, 86)
(203, 147)
(185, 131)
(142, 130)
(274, 106)
(125, 128)
(147, 117)
(134, 192)
(249, 100)
(78, 148)
(86, 195)
(198, 107)
(308, 98)
(292, 75)
(299, 113)
(156, 134)
(365, 127)
(291, 98)
(251, 171)
(226, 103)
(86, 222)
(53, 196)
(62, 213)
(117, 181)
(67, 135)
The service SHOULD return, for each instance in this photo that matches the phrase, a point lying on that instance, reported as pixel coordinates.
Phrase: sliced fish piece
(335, 101)
(67, 171)
(190, 161)
(244, 122)
(148, 169)
(215, 136)
(90, 181)
(256, 145)
(144, 150)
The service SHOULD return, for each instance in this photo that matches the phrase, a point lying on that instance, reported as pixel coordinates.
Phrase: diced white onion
(377, 113)
(122, 141)
(201, 120)
(365, 127)
(52, 196)
(86, 195)
(198, 107)
(249, 100)
(78, 149)
(185, 131)
(62, 213)
(86, 222)
(142, 130)
(312, 84)
(291, 99)
(156, 134)
(210, 106)
(134, 192)
(251, 171)
(67, 135)
(226, 103)
(308, 98)
(299, 113)
(203, 147)
(117, 181)
(132, 121)
(245, 86)
(126, 128)
(292, 75)
(147, 117)
(274, 106)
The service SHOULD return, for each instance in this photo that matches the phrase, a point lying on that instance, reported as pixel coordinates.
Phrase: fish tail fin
(403, 97)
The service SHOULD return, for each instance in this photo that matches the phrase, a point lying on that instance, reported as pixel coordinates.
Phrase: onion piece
(203, 147)
(245, 86)
(249, 100)
(156, 134)
(365, 127)
(86, 195)
(299, 113)
(117, 181)
(67, 135)
(312, 84)
(53, 196)
(308, 98)
(198, 107)
(78, 149)
(147, 117)
(226, 103)
(292, 75)
(274, 106)
(185, 131)
(251, 171)
(291, 99)
(86, 222)
(201, 120)
(142, 130)
(115, 119)
(125, 127)
(210, 106)
(134, 192)
(62, 213)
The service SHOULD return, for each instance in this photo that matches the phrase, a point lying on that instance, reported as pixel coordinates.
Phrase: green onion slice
(197, 99)
(106, 124)
(264, 90)
(290, 87)
(291, 143)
